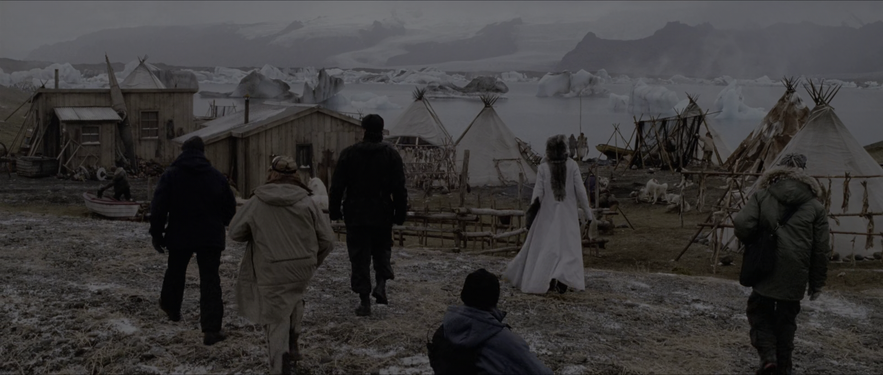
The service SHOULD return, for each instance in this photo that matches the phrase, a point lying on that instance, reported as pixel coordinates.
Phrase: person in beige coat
(288, 238)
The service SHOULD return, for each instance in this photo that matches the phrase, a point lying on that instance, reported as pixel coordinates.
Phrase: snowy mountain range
(705, 52)
(501, 44)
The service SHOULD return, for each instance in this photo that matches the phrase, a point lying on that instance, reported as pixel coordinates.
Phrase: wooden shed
(242, 145)
(156, 116)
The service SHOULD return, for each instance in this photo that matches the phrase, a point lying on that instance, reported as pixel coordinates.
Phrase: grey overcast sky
(26, 25)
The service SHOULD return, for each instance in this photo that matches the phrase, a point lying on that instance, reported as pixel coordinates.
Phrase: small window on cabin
(90, 135)
(150, 124)
(304, 155)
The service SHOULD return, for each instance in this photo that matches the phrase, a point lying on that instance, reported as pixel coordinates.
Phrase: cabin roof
(70, 114)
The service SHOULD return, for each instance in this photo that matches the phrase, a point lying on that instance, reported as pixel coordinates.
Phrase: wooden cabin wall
(218, 153)
(325, 133)
(175, 106)
(171, 104)
(45, 106)
(101, 155)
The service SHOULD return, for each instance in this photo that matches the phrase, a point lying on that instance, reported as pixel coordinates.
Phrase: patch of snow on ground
(123, 325)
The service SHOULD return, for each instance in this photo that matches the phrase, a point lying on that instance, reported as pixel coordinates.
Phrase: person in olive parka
(370, 180)
(801, 257)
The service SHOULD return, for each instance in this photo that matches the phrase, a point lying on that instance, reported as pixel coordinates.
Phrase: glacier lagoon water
(534, 119)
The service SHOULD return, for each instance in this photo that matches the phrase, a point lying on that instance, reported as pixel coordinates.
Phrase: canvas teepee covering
(723, 150)
(831, 150)
(142, 78)
(419, 125)
(494, 157)
(765, 142)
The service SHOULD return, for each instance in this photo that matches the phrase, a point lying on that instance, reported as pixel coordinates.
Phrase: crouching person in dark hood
(190, 208)
(801, 262)
(119, 184)
(473, 338)
(288, 237)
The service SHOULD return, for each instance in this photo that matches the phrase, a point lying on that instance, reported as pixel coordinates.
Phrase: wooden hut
(242, 145)
(74, 124)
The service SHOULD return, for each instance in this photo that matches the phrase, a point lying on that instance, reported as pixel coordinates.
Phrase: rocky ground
(79, 295)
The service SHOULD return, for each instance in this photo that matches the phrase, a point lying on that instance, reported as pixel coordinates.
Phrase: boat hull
(110, 207)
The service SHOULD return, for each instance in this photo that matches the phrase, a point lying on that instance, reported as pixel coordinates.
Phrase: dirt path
(79, 295)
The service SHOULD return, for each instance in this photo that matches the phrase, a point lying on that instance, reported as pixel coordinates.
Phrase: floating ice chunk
(68, 76)
(730, 105)
(5, 79)
(369, 100)
(652, 100)
(273, 72)
(514, 76)
(566, 84)
(553, 84)
(618, 103)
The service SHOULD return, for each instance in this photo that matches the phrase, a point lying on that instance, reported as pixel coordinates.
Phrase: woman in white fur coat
(552, 255)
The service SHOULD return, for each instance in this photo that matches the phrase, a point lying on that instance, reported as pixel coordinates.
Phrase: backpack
(759, 258)
(447, 358)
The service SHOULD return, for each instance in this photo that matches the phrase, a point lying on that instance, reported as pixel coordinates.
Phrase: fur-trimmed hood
(791, 194)
(556, 148)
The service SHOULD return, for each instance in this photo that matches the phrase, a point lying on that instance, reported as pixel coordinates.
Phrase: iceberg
(273, 72)
(476, 87)
(730, 105)
(370, 100)
(618, 103)
(68, 76)
(255, 85)
(515, 77)
(323, 88)
(566, 84)
(652, 100)
(5, 79)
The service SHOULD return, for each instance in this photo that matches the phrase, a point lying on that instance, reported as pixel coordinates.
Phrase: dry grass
(79, 295)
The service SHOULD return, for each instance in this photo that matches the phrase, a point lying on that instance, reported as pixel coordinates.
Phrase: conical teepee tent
(494, 157)
(765, 142)
(419, 125)
(142, 78)
(723, 150)
(831, 150)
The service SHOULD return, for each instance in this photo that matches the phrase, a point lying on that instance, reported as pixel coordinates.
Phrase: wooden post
(464, 178)
(520, 186)
(56, 79)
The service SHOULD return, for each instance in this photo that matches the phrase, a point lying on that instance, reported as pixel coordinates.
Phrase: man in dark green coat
(801, 257)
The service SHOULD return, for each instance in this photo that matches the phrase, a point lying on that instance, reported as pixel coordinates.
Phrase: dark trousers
(363, 244)
(773, 324)
(211, 308)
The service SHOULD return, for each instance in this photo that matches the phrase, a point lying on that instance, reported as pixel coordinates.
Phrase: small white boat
(110, 207)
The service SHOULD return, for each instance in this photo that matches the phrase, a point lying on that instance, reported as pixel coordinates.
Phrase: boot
(379, 292)
(768, 368)
(364, 308)
(561, 288)
(211, 338)
(292, 346)
(173, 315)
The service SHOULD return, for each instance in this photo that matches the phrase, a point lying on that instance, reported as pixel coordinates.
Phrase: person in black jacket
(196, 202)
(371, 175)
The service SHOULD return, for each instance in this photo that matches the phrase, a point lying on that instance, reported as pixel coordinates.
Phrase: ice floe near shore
(567, 84)
(730, 105)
